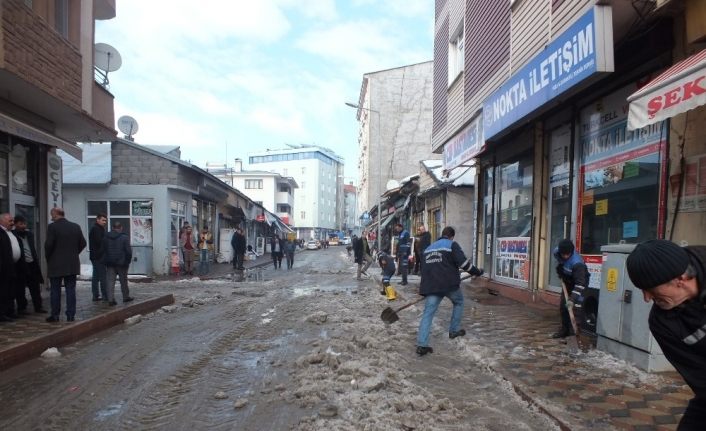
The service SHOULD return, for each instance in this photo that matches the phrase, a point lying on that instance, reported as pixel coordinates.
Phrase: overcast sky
(224, 78)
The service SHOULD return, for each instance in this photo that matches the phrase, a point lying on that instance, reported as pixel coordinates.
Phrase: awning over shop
(18, 128)
(680, 88)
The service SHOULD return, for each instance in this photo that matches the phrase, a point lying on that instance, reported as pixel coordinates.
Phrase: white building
(273, 191)
(395, 115)
(351, 223)
(318, 201)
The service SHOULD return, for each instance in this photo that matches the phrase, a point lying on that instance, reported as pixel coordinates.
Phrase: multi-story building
(48, 99)
(539, 93)
(318, 201)
(350, 222)
(395, 115)
(269, 189)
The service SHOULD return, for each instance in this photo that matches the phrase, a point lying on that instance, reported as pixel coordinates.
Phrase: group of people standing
(280, 247)
(190, 243)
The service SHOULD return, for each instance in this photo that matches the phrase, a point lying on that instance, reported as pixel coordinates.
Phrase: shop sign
(465, 145)
(512, 258)
(260, 217)
(54, 183)
(583, 50)
(594, 264)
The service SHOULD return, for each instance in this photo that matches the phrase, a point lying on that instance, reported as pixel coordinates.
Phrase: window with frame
(135, 217)
(253, 184)
(61, 17)
(456, 54)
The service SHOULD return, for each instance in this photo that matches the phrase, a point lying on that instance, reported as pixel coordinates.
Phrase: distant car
(346, 240)
(333, 240)
(312, 245)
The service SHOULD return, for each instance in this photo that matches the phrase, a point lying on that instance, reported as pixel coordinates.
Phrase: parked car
(312, 245)
(346, 240)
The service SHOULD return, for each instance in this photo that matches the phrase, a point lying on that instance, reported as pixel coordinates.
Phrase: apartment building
(318, 199)
(538, 92)
(49, 99)
(350, 222)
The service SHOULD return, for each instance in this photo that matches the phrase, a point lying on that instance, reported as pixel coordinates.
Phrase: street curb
(71, 333)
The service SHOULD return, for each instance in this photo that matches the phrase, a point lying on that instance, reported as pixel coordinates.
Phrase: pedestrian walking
(289, 248)
(63, 244)
(10, 261)
(276, 250)
(403, 250)
(440, 278)
(29, 274)
(187, 245)
(117, 257)
(423, 241)
(387, 264)
(673, 278)
(574, 274)
(205, 246)
(95, 250)
(238, 244)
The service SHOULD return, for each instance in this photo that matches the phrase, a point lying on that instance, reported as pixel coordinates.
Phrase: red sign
(260, 217)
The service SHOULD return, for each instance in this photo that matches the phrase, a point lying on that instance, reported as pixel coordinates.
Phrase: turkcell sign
(586, 48)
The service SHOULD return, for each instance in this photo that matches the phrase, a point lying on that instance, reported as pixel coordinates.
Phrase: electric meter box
(622, 326)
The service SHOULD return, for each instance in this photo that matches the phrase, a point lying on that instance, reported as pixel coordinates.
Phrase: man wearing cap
(573, 272)
(672, 277)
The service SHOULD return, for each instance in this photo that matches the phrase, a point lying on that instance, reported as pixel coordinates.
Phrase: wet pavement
(589, 390)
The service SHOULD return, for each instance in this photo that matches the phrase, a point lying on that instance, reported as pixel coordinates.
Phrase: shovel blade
(389, 316)
(572, 344)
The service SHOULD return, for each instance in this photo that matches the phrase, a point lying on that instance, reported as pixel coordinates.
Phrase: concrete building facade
(318, 172)
(351, 223)
(395, 116)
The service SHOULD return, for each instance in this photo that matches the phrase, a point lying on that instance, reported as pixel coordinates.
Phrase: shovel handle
(465, 277)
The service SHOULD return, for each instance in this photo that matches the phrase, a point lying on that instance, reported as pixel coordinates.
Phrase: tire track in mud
(179, 397)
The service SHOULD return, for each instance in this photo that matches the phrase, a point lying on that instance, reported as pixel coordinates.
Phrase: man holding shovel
(440, 278)
(574, 274)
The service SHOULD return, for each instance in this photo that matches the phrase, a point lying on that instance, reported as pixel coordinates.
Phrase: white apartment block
(318, 201)
(273, 191)
(395, 115)
(350, 209)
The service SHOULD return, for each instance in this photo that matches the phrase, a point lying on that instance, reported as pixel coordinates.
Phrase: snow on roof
(457, 177)
(95, 168)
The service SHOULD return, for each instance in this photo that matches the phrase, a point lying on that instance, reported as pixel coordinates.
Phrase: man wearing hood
(574, 273)
(117, 255)
(673, 278)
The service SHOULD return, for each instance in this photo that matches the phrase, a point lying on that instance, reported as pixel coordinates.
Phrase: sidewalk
(592, 388)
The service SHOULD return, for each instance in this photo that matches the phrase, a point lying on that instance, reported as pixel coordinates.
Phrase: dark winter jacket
(680, 332)
(64, 243)
(442, 260)
(290, 247)
(32, 267)
(423, 241)
(281, 245)
(358, 250)
(403, 248)
(116, 249)
(95, 242)
(387, 264)
(238, 243)
(572, 271)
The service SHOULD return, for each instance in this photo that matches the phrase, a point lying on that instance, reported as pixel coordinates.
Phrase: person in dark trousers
(238, 244)
(30, 273)
(574, 273)
(64, 243)
(674, 278)
(387, 264)
(290, 247)
(10, 267)
(423, 241)
(95, 248)
(403, 251)
(276, 250)
(440, 278)
(117, 255)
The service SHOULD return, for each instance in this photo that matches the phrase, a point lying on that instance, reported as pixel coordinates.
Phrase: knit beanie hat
(566, 246)
(656, 262)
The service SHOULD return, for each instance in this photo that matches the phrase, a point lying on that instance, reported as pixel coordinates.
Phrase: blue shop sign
(465, 145)
(583, 50)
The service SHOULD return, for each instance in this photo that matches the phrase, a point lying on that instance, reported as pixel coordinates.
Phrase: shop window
(135, 218)
(4, 192)
(120, 208)
(514, 223)
(23, 170)
(620, 176)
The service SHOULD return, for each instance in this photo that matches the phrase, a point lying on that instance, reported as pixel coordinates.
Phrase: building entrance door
(559, 196)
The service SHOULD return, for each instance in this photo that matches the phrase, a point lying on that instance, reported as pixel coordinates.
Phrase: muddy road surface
(300, 349)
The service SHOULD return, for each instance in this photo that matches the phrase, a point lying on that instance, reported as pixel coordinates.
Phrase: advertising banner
(512, 258)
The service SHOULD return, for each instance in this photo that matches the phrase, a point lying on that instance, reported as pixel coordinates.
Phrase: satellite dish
(392, 184)
(106, 59)
(128, 126)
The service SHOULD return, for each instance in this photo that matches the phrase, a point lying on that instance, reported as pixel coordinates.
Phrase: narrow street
(303, 349)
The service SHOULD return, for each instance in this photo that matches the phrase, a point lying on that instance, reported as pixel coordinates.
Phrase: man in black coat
(29, 274)
(95, 247)
(673, 278)
(423, 241)
(117, 255)
(61, 249)
(10, 253)
(238, 244)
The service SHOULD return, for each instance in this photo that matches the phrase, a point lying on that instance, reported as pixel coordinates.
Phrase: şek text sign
(582, 50)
